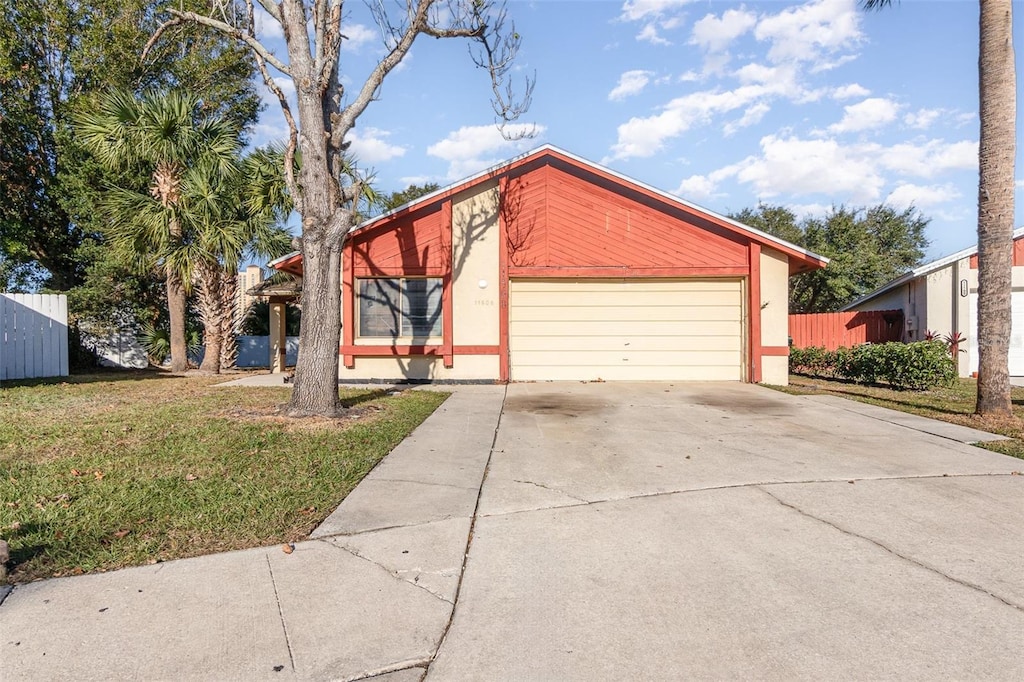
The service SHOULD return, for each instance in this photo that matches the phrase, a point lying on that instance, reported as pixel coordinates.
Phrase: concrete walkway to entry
(613, 531)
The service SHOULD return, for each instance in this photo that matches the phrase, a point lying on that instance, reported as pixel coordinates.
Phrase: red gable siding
(414, 244)
(564, 219)
(1018, 254)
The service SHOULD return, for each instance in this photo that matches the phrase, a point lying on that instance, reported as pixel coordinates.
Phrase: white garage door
(621, 330)
(1016, 335)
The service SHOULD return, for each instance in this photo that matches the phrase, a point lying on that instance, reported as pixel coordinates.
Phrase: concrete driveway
(593, 532)
(727, 531)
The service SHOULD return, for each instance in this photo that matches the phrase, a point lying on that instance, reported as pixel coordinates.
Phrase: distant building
(247, 279)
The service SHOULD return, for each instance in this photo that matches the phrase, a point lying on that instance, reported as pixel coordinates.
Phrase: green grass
(954, 404)
(105, 471)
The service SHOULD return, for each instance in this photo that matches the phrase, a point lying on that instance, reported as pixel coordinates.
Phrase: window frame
(405, 332)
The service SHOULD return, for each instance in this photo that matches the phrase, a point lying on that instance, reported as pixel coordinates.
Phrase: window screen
(400, 307)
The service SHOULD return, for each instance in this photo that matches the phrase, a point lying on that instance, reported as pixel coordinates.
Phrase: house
(942, 297)
(551, 267)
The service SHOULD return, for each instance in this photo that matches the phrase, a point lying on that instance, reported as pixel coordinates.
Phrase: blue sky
(804, 104)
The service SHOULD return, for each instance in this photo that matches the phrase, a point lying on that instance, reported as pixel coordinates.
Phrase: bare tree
(324, 115)
(997, 150)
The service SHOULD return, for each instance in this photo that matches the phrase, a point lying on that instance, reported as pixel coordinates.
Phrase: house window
(400, 307)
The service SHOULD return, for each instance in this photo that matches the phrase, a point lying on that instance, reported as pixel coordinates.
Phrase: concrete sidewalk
(372, 593)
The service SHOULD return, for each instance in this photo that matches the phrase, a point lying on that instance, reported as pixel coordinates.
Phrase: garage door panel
(617, 357)
(633, 343)
(626, 330)
(524, 286)
(572, 328)
(621, 314)
(616, 298)
(634, 373)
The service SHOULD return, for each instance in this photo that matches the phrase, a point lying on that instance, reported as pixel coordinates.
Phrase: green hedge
(918, 366)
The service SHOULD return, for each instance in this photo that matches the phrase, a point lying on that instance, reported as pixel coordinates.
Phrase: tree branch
(347, 118)
(497, 51)
(255, 45)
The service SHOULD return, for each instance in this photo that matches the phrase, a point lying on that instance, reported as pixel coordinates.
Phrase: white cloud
(630, 83)
(922, 118)
(874, 112)
(696, 187)
(287, 86)
(358, 36)
(921, 196)
(751, 116)
(808, 32)
(715, 33)
(645, 136)
(370, 146)
(655, 14)
(649, 33)
(266, 25)
(858, 173)
(850, 91)
(812, 210)
(473, 148)
(639, 10)
(928, 159)
(416, 180)
(795, 166)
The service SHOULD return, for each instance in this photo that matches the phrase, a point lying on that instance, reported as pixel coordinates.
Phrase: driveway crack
(280, 613)
(554, 490)
(440, 485)
(393, 668)
(393, 573)
(894, 552)
(469, 540)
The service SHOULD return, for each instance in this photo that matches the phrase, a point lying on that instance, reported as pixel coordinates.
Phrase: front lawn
(954, 405)
(112, 470)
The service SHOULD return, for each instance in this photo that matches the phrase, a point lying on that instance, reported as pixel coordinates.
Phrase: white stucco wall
(774, 314)
(475, 267)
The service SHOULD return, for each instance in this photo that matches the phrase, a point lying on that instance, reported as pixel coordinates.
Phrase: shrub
(918, 366)
(813, 360)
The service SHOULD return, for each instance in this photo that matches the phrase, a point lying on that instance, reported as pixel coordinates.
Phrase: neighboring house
(942, 297)
(550, 267)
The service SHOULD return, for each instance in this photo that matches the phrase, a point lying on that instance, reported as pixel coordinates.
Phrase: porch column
(278, 343)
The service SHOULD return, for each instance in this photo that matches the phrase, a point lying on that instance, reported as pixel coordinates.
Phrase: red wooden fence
(833, 330)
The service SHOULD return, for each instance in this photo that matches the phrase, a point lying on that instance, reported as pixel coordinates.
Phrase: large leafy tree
(997, 151)
(393, 200)
(165, 137)
(324, 114)
(867, 247)
(53, 54)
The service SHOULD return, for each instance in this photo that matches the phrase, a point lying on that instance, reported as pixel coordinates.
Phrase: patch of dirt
(277, 415)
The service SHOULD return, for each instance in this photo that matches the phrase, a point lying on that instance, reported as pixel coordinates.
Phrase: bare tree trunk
(176, 312)
(996, 157)
(209, 311)
(316, 374)
(229, 326)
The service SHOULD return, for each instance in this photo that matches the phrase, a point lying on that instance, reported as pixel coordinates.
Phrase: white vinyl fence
(33, 336)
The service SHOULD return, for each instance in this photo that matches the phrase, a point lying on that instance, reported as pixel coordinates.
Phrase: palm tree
(234, 215)
(164, 136)
(997, 151)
